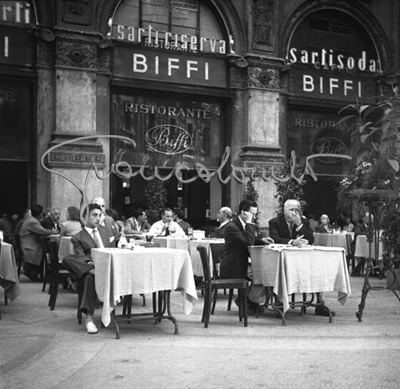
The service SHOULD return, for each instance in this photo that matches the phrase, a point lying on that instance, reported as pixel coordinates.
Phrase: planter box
(391, 284)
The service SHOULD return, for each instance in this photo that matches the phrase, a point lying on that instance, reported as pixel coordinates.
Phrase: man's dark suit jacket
(83, 244)
(218, 232)
(279, 231)
(49, 224)
(235, 254)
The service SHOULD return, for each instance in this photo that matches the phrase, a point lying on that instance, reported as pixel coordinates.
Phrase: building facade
(202, 93)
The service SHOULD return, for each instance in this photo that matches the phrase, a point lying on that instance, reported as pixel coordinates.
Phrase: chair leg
(144, 300)
(53, 293)
(244, 304)
(80, 295)
(215, 295)
(230, 299)
(207, 303)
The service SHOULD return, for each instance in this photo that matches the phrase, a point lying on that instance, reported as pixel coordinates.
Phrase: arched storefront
(17, 105)
(169, 94)
(333, 60)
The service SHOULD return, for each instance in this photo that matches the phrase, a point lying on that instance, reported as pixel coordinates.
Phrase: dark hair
(180, 213)
(112, 213)
(137, 212)
(166, 210)
(36, 210)
(245, 205)
(91, 207)
(73, 213)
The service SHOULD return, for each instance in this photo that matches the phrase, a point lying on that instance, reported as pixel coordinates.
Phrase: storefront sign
(327, 85)
(177, 67)
(150, 37)
(168, 139)
(329, 74)
(11, 41)
(15, 12)
(326, 59)
(311, 132)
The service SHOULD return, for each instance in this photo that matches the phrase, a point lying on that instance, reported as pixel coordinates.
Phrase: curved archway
(224, 12)
(358, 12)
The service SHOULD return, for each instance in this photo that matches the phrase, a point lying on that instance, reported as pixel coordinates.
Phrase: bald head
(224, 214)
(100, 201)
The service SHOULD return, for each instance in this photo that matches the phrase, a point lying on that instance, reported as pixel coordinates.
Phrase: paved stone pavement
(44, 349)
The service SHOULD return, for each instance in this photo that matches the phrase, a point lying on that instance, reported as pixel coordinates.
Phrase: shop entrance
(14, 193)
(321, 197)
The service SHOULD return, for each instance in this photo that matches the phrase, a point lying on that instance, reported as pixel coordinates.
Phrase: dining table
(362, 247)
(309, 269)
(8, 272)
(336, 239)
(124, 272)
(190, 244)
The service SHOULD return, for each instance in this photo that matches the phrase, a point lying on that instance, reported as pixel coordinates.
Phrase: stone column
(71, 115)
(256, 126)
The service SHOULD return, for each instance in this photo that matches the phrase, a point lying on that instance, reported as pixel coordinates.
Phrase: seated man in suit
(137, 222)
(224, 215)
(93, 235)
(291, 227)
(106, 221)
(31, 235)
(53, 220)
(179, 214)
(240, 233)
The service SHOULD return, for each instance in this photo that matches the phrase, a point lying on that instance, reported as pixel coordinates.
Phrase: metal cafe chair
(213, 285)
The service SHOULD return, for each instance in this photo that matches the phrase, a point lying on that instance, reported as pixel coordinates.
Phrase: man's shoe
(323, 311)
(90, 326)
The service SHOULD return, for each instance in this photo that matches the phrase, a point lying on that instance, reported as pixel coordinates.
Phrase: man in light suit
(93, 235)
(31, 235)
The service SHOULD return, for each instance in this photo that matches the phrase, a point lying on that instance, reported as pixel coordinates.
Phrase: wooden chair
(213, 285)
(56, 274)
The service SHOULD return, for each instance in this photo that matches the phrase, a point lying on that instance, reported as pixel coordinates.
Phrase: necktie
(167, 231)
(95, 239)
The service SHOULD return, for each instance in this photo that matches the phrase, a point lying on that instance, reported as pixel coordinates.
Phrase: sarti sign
(326, 74)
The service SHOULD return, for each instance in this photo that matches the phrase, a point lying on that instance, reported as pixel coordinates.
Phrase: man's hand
(299, 241)
(295, 217)
(248, 216)
(268, 240)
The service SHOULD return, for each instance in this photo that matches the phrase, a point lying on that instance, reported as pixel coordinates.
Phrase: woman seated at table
(73, 224)
(349, 226)
(324, 226)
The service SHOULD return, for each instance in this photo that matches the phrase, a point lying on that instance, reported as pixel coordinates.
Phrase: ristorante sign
(331, 75)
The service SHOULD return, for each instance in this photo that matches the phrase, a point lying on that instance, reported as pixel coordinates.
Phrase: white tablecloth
(342, 239)
(65, 248)
(120, 272)
(300, 270)
(8, 271)
(195, 255)
(362, 247)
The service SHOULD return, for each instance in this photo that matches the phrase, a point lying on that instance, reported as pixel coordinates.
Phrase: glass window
(169, 128)
(181, 17)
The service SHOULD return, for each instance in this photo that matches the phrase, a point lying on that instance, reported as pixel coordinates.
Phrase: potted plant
(375, 178)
